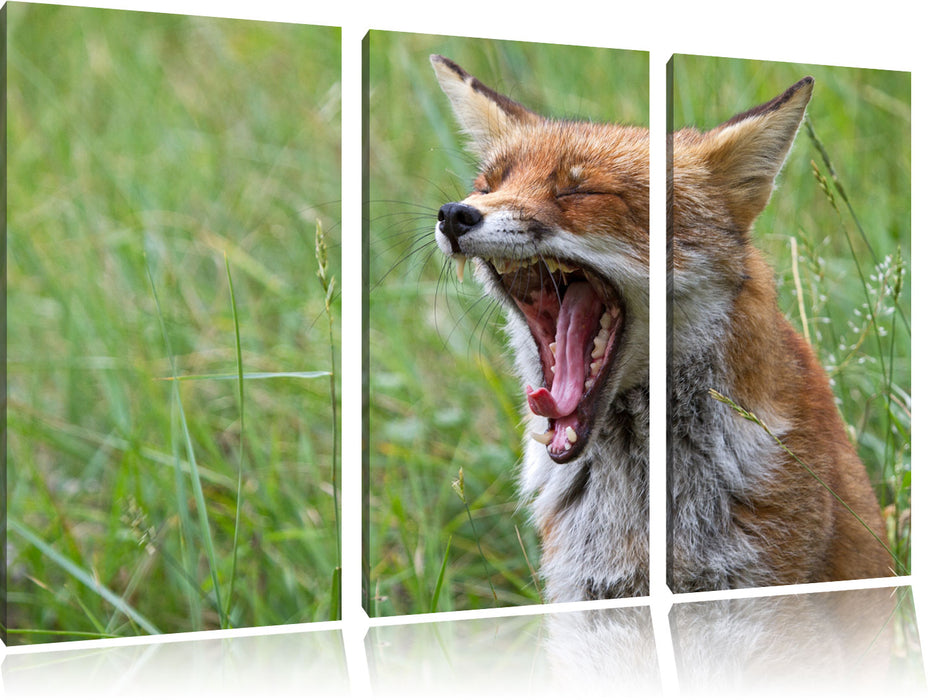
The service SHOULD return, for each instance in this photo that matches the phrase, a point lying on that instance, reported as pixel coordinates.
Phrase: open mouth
(575, 317)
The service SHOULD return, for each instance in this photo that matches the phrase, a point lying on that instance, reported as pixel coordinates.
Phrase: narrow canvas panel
(789, 324)
(172, 229)
(448, 505)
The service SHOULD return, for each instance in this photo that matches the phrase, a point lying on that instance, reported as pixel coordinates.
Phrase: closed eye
(585, 193)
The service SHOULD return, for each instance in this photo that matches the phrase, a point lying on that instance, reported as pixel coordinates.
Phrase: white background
(895, 35)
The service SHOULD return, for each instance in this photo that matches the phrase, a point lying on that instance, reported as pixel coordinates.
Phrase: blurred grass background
(442, 396)
(145, 152)
(853, 265)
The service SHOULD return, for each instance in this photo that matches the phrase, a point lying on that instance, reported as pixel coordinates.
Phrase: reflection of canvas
(784, 498)
(841, 643)
(166, 178)
(444, 405)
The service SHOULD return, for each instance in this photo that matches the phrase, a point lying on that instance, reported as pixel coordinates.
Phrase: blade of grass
(240, 458)
(434, 603)
(459, 486)
(81, 575)
(800, 299)
(193, 469)
(246, 375)
(187, 529)
(533, 573)
(328, 287)
(89, 614)
(69, 634)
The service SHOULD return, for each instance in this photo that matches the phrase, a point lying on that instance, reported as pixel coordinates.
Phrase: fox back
(557, 225)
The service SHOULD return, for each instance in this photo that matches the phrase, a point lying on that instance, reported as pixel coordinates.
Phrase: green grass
(444, 405)
(166, 174)
(838, 229)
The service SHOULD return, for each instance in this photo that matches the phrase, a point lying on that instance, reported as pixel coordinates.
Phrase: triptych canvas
(174, 327)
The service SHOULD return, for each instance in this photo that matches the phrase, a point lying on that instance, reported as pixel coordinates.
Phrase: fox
(557, 227)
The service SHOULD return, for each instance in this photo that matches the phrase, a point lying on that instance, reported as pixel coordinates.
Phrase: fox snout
(457, 219)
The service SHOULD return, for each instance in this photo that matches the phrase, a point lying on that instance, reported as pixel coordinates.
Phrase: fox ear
(746, 152)
(484, 115)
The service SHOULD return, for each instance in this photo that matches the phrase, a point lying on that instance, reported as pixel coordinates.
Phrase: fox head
(557, 225)
(719, 182)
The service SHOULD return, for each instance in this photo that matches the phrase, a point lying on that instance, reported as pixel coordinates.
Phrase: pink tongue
(575, 328)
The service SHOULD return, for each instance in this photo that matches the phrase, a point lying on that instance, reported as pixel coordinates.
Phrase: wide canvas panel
(771, 500)
(173, 320)
(446, 528)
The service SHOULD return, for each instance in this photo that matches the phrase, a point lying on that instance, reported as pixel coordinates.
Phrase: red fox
(558, 228)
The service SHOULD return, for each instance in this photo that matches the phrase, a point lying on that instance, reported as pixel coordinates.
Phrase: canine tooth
(600, 346)
(460, 261)
(605, 320)
(570, 434)
(498, 264)
(544, 438)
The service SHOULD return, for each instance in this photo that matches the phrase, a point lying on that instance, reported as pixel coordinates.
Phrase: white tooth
(605, 320)
(599, 351)
(552, 349)
(544, 438)
(460, 261)
(615, 312)
(589, 383)
(603, 335)
(595, 368)
(553, 369)
(570, 434)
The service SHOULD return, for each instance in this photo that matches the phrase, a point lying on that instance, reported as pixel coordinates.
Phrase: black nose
(457, 219)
